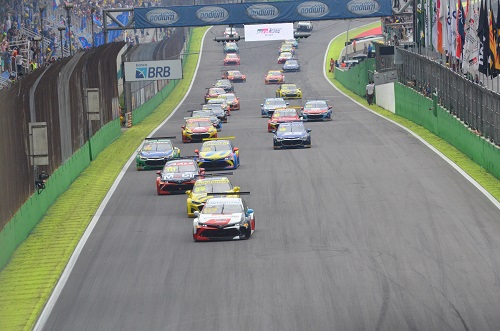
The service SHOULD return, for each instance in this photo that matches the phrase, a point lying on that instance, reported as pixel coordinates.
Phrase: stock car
(218, 154)
(216, 110)
(293, 42)
(291, 65)
(285, 47)
(197, 129)
(289, 91)
(207, 114)
(222, 102)
(232, 100)
(284, 56)
(232, 59)
(234, 76)
(270, 105)
(224, 218)
(282, 116)
(274, 77)
(213, 92)
(178, 176)
(155, 152)
(292, 134)
(306, 26)
(231, 47)
(316, 110)
(225, 84)
(202, 189)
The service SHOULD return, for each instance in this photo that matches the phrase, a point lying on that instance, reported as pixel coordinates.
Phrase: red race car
(232, 59)
(281, 116)
(213, 92)
(284, 56)
(234, 76)
(178, 176)
(274, 77)
(232, 100)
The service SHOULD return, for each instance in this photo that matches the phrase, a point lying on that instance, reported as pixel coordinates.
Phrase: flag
(420, 23)
(55, 4)
(443, 11)
(452, 33)
(439, 26)
(96, 20)
(83, 23)
(428, 23)
(483, 34)
(471, 45)
(460, 30)
(435, 21)
(492, 39)
(84, 42)
(497, 37)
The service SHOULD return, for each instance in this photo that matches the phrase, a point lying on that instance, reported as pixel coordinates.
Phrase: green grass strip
(489, 182)
(35, 267)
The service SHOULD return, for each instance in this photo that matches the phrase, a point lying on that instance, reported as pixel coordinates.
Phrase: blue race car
(292, 134)
(218, 154)
(316, 110)
(270, 105)
(155, 152)
(291, 65)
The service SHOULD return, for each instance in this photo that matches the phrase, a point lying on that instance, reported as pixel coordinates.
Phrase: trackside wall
(427, 113)
(356, 78)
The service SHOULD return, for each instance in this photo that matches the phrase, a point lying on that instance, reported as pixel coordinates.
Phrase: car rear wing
(219, 138)
(159, 138)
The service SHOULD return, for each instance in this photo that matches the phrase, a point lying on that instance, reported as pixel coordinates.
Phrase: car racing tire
(248, 232)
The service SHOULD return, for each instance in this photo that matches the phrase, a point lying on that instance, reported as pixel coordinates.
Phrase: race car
(274, 77)
(232, 59)
(224, 218)
(234, 76)
(284, 56)
(293, 42)
(292, 134)
(291, 65)
(178, 176)
(230, 32)
(202, 189)
(232, 101)
(231, 47)
(270, 105)
(155, 152)
(285, 47)
(213, 92)
(225, 84)
(207, 114)
(282, 116)
(218, 154)
(222, 103)
(316, 110)
(289, 91)
(305, 26)
(197, 129)
(216, 110)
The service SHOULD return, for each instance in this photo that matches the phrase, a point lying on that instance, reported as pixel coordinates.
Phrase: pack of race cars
(217, 207)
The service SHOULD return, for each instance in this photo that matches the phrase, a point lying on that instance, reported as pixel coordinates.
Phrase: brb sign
(153, 70)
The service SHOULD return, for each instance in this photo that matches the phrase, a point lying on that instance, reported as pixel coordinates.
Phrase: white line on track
(444, 157)
(74, 257)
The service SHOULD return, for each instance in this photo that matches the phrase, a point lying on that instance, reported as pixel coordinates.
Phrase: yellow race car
(202, 189)
(288, 91)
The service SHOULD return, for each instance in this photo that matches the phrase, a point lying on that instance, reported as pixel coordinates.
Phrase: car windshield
(198, 124)
(274, 73)
(202, 114)
(234, 73)
(179, 167)
(286, 54)
(285, 112)
(291, 62)
(294, 127)
(211, 186)
(275, 103)
(216, 90)
(228, 97)
(216, 146)
(222, 208)
(158, 146)
(315, 104)
(288, 87)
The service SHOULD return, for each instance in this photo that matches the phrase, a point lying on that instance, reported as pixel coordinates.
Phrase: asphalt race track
(367, 230)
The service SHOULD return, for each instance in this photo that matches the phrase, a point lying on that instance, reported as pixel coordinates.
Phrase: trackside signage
(259, 13)
(153, 70)
(258, 32)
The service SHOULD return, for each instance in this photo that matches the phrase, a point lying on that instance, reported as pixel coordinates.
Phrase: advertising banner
(153, 70)
(258, 32)
(259, 13)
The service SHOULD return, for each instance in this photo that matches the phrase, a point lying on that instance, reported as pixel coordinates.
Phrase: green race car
(155, 152)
